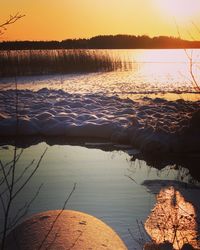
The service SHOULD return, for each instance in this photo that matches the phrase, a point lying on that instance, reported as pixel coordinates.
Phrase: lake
(112, 184)
(157, 71)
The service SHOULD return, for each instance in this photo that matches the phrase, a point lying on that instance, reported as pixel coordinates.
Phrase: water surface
(109, 184)
(156, 71)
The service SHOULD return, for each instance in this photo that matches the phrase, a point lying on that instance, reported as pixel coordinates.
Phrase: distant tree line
(104, 42)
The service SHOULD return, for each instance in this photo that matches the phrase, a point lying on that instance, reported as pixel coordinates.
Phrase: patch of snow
(149, 125)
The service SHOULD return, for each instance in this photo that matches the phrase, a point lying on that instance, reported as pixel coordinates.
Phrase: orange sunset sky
(61, 19)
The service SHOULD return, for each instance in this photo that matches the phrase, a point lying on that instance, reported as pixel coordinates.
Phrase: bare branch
(5, 175)
(190, 35)
(3, 205)
(196, 27)
(11, 167)
(30, 176)
(20, 177)
(16, 160)
(190, 58)
(130, 178)
(58, 215)
(24, 209)
(12, 19)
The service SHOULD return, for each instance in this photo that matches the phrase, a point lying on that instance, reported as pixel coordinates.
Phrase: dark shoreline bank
(158, 161)
(105, 42)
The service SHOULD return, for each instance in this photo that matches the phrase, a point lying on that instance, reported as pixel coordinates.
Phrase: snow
(63, 229)
(149, 125)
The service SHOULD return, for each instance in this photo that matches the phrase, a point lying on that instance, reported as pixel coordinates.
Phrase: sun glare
(183, 10)
(173, 219)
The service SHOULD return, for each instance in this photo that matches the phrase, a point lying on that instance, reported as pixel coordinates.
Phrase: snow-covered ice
(149, 124)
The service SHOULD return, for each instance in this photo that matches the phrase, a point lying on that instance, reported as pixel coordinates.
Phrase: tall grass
(41, 62)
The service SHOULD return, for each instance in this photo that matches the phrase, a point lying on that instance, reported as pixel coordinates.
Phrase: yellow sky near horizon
(62, 19)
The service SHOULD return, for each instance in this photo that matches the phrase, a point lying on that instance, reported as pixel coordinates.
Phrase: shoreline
(158, 161)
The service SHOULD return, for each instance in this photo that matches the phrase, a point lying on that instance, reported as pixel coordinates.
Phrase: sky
(62, 19)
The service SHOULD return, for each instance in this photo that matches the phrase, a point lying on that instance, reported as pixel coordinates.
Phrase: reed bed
(43, 62)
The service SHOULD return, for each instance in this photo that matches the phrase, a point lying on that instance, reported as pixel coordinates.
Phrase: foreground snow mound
(150, 125)
(63, 229)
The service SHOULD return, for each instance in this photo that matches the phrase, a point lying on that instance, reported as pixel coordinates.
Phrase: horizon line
(104, 35)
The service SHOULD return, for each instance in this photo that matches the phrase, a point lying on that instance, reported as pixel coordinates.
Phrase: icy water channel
(109, 185)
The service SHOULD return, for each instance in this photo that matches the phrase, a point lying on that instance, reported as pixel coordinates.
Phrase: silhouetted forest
(104, 42)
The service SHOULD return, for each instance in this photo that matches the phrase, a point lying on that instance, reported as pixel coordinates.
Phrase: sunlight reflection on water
(109, 185)
(143, 71)
(173, 219)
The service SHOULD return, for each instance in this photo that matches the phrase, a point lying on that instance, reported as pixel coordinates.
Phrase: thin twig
(196, 27)
(5, 175)
(3, 205)
(26, 206)
(16, 160)
(130, 178)
(190, 58)
(12, 19)
(58, 215)
(20, 177)
(30, 176)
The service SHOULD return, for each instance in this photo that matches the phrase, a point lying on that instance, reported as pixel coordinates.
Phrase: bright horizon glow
(182, 10)
(62, 19)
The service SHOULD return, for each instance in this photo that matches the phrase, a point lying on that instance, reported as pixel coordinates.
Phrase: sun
(182, 10)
